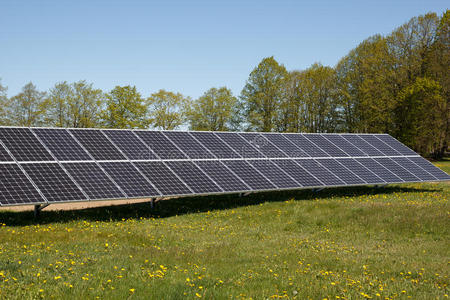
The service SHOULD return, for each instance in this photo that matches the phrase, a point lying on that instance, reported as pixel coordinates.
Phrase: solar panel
(239, 144)
(306, 145)
(395, 168)
(194, 177)
(378, 144)
(94, 182)
(284, 144)
(413, 168)
(222, 176)
(263, 145)
(249, 175)
(427, 166)
(341, 171)
(61, 144)
(23, 145)
(97, 144)
(325, 145)
(396, 145)
(130, 144)
(276, 175)
(215, 145)
(297, 172)
(160, 144)
(4, 156)
(130, 179)
(188, 144)
(163, 178)
(15, 188)
(362, 145)
(379, 170)
(53, 182)
(344, 145)
(363, 172)
(320, 172)
(112, 164)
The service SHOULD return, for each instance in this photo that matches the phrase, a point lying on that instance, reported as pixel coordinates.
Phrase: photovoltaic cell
(396, 169)
(15, 188)
(262, 144)
(97, 144)
(325, 145)
(163, 178)
(363, 172)
(284, 144)
(413, 168)
(427, 166)
(94, 182)
(276, 175)
(320, 172)
(379, 170)
(214, 144)
(361, 144)
(306, 145)
(193, 177)
(188, 144)
(23, 145)
(249, 175)
(239, 144)
(379, 145)
(4, 156)
(130, 144)
(53, 182)
(344, 145)
(222, 176)
(61, 144)
(297, 172)
(340, 171)
(393, 143)
(160, 144)
(129, 179)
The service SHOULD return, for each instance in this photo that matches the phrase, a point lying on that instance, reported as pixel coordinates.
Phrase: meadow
(349, 243)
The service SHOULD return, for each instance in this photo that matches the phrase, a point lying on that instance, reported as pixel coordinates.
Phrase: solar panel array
(54, 165)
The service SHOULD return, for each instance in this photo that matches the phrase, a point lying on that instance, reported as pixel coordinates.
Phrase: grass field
(348, 243)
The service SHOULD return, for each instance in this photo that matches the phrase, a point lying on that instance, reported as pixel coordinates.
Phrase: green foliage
(75, 105)
(4, 105)
(28, 107)
(422, 112)
(263, 94)
(213, 110)
(167, 109)
(125, 108)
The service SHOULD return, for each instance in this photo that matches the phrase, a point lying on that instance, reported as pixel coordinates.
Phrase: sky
(182, 46)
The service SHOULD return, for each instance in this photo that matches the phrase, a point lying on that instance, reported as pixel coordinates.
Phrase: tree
(312, 101)
(167, 109)
(212, 111)
(4, 105)
(58, 102)
(262, 95)
(28, 107)
(125, 108)
(423, 116)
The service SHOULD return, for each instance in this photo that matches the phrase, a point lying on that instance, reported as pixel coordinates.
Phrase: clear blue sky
(183, 46)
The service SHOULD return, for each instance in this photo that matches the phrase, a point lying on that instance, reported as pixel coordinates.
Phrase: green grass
(351, 243)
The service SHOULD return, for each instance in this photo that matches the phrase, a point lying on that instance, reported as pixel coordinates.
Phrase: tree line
(397, 84)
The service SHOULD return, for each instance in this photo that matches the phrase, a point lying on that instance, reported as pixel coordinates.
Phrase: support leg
(38, 208)
(152, 203)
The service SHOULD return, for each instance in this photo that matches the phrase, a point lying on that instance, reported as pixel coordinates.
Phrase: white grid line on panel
(25, 173)
(192, 161)
(374, 135)
(98, 164)
(137, 169)
(232, 149)
(59, 163)
(422, 168)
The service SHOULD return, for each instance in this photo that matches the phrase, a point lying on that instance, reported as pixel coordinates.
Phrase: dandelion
(131, 290)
